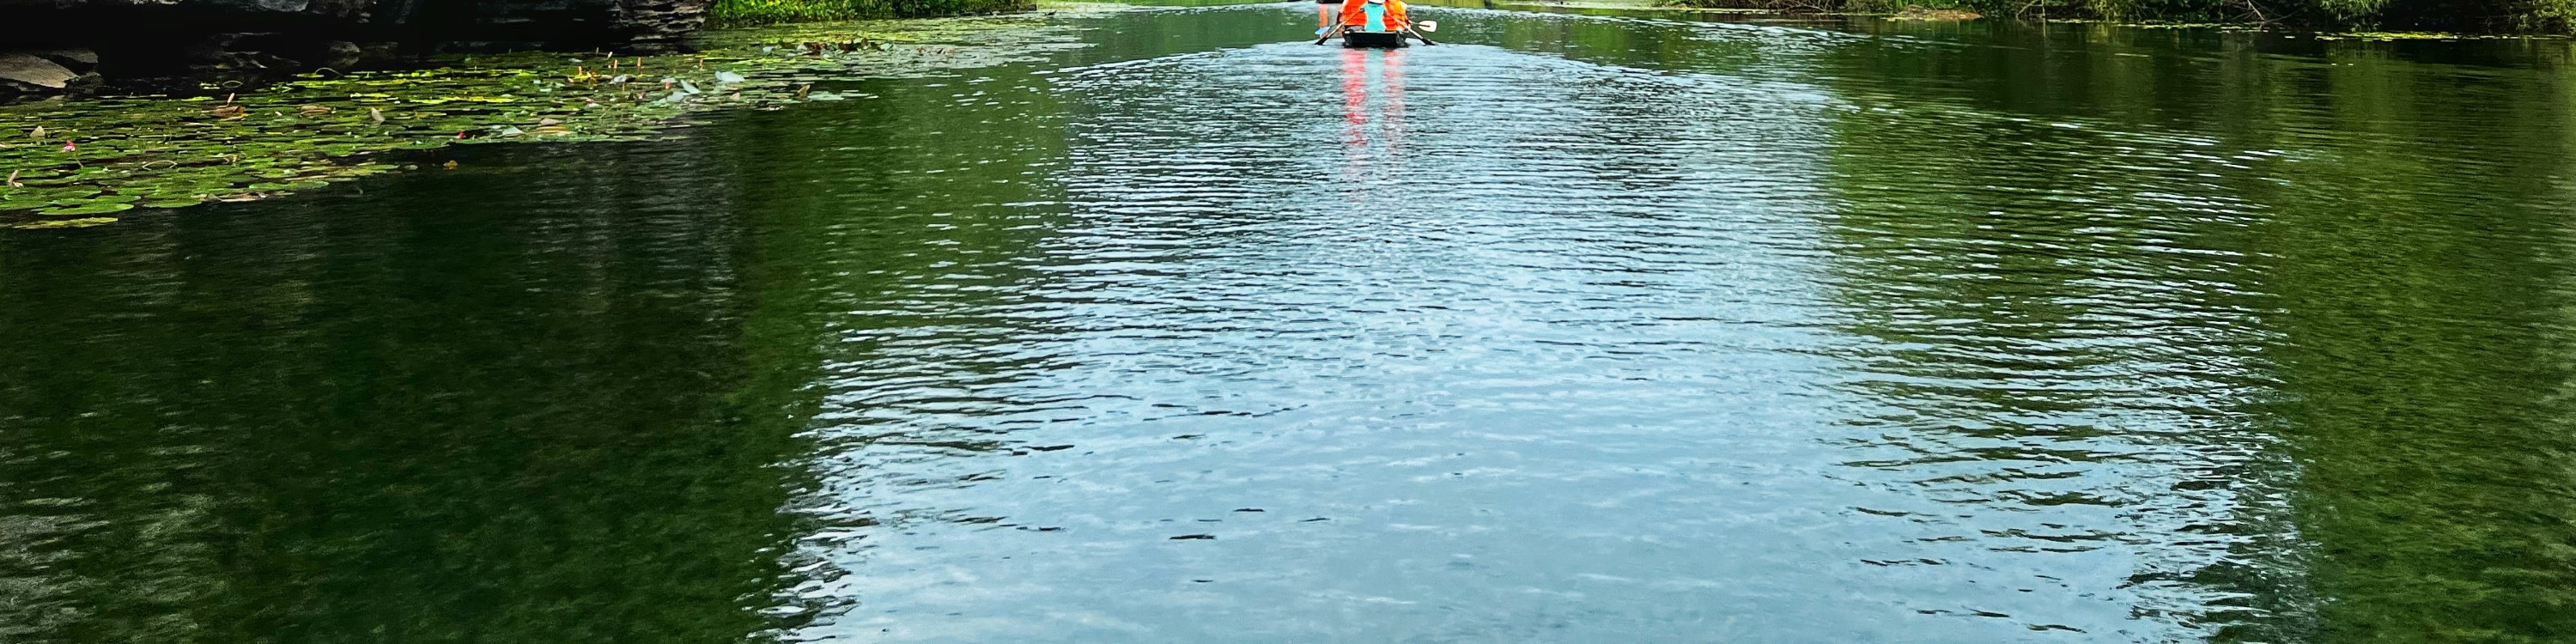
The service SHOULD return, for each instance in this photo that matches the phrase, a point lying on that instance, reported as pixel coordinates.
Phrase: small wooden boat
(1374, 39)
(1378, 31)
(1352, 37)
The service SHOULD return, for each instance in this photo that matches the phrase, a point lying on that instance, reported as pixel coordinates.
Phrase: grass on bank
(733, 13)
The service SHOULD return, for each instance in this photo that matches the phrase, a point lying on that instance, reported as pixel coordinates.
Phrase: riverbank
(88, 163)
(2337, 16)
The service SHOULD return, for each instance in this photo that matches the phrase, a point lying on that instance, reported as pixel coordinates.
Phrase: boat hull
(1373, 39)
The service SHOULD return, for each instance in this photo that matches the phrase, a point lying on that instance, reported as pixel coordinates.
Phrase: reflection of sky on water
(1510, 346)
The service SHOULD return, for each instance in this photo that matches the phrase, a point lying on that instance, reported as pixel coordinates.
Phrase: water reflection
(445, 413)
(2247, 287)
(2416, 251)
(1578, 328)
(2064, 373)
(1373, 93)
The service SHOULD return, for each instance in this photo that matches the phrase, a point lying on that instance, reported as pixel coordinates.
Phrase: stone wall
(82, 45)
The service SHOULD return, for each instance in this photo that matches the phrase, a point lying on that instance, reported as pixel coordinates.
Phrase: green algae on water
(76, 161)
(2430, 35)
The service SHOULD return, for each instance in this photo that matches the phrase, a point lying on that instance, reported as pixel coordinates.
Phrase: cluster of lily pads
(760, 12)
(82, 163)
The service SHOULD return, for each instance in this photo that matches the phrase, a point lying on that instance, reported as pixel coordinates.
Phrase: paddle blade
(1427, 25)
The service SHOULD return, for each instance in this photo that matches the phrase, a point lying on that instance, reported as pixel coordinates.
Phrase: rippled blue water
(1560, 366)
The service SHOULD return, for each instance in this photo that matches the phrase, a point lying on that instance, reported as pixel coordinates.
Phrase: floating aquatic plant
(76, 161)
(2431, 35)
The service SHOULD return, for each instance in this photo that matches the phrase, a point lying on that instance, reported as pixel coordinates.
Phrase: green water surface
(1571, 329)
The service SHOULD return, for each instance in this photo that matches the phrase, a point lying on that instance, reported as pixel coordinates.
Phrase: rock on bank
(60, 47)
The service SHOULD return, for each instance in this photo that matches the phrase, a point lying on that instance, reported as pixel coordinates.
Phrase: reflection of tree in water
(1618, 41)
(457, 410)
(2420, 341)
(481, 406)
(895, 240)
(2047, 356)
(2320, 314)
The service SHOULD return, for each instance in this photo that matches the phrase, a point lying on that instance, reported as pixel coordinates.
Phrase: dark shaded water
(1579, 329)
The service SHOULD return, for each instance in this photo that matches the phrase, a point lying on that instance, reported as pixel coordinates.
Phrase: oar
(1419, 27)
(1329, 34)
(1418, 36)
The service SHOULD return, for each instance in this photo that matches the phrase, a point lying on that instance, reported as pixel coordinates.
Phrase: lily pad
(87, 209)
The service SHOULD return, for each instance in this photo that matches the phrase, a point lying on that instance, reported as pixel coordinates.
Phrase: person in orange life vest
(1389, 15)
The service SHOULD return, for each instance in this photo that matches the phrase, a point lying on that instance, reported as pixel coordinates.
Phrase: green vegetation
(762, 12)
(78, 164)
(2544, 16)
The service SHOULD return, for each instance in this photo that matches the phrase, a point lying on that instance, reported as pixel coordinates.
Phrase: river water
(1571, 329)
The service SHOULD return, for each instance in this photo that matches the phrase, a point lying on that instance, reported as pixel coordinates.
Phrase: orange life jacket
(1355, 15)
